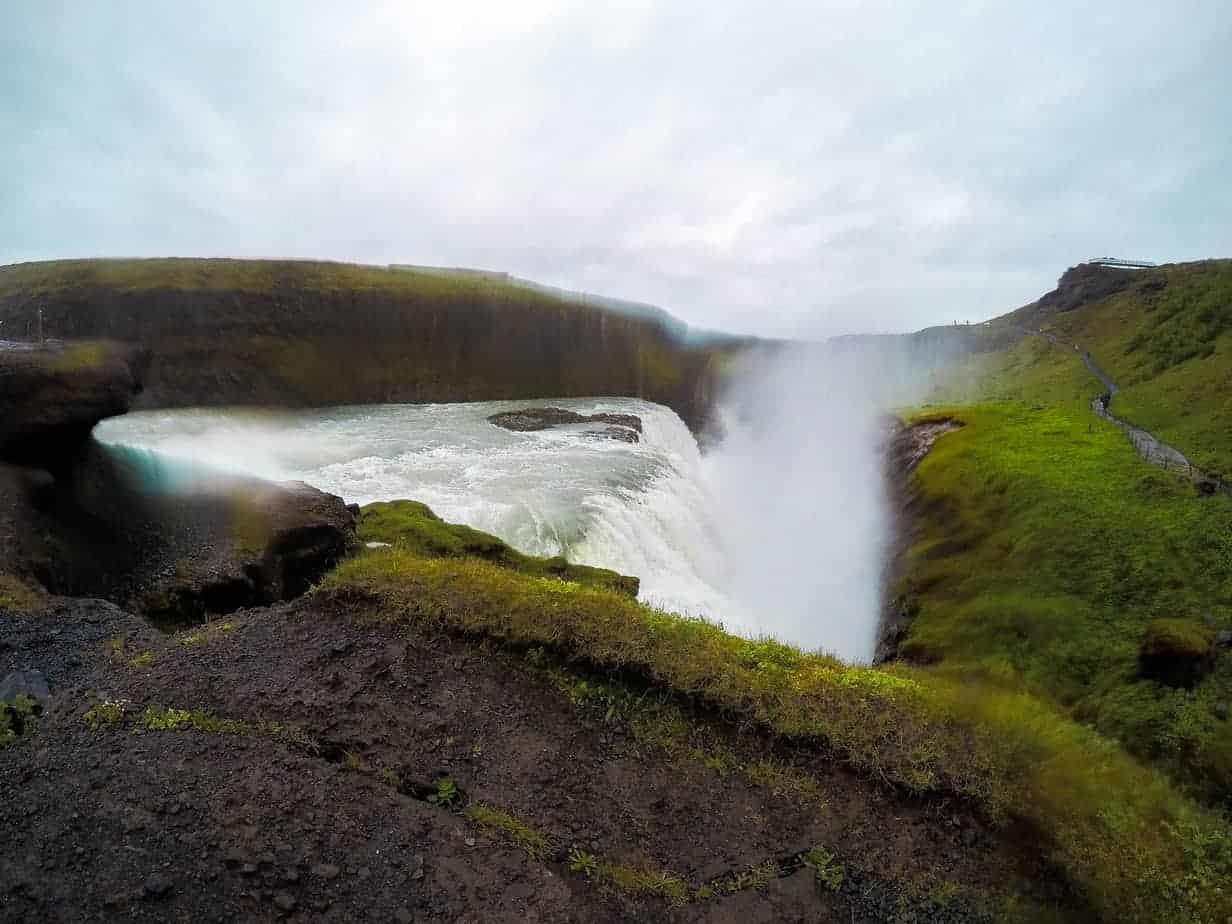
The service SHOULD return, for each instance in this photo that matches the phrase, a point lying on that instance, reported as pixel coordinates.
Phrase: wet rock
(326, 871)
(284, 901)
(156, 887)
(624, 434)
(543, 418)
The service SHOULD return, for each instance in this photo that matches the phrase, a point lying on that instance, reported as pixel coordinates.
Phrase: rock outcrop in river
(624, 427)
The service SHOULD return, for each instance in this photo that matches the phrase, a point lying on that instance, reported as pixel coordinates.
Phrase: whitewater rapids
(655, 509)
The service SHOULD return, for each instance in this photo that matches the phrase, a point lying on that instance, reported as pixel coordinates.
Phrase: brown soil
(192, 825)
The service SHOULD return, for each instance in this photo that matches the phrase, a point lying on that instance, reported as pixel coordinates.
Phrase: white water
(643, 509)
(778, 531)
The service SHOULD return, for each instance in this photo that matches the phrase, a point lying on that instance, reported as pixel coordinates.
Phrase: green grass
(188, 275)
(1135, 847)
(413, 526)
(82, 356)
(1167, 341)
(538, 846)
(1044, 549)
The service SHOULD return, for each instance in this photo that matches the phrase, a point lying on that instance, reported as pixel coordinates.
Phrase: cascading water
(777, 531)
(642, 508)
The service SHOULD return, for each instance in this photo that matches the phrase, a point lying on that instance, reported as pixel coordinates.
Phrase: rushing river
(639, 508)
(774, 533)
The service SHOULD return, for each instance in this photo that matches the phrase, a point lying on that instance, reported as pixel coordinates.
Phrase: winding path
(1148, 445)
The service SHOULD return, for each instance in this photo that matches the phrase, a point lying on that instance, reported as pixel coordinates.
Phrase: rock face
(1086, 283)
(237, 544)
(50, 399)
(625, 427)
(76, 521)
(905, 446)
(270, 332)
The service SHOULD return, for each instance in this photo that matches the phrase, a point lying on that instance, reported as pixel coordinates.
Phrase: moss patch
(16, 596)
(1179, 638)
(412, 526)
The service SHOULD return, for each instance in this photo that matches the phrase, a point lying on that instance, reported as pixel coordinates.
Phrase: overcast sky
(782, 168)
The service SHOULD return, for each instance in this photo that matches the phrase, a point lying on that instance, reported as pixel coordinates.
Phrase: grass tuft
(517, 832)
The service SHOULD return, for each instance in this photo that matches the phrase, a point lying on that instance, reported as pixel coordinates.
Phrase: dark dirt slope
(316, 807)
(301, 333)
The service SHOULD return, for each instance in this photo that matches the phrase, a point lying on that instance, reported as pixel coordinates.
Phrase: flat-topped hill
(301, 333)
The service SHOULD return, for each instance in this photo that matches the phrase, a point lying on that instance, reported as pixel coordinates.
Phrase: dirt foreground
(338, 769)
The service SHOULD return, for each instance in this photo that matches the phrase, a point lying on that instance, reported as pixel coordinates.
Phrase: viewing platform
(1118, 262)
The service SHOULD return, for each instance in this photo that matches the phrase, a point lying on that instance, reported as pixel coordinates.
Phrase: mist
(801, 495)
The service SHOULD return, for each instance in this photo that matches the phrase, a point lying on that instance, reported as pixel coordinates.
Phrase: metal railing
(1117, 261)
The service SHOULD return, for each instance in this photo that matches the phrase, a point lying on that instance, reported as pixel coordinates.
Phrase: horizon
(694, 329)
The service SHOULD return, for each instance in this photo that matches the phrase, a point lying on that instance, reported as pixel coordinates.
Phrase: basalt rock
(241, 543)
(624, 427)
(904, 446)
(93, 531)
(51, 398)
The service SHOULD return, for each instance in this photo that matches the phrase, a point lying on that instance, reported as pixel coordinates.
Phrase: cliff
(297, 333)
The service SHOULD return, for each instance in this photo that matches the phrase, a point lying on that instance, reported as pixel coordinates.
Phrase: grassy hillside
(1046, 548)
(412, 526)
(1166, 339)
(308, 333)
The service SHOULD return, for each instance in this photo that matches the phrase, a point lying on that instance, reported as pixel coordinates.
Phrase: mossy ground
(413, 526)
(1177, 637)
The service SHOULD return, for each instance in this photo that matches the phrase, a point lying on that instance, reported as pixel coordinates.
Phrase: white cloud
(795, 168)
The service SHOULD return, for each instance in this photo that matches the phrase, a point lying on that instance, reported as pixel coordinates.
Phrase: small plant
(755, 877)
(17, 719)
(829, 874)
(158, 718)
(18, 597)
(352, 761)
(582, 862)
(390, 778)
(446, 795)
(142, 660)
(105, 714)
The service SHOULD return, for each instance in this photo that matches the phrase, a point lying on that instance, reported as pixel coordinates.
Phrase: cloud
(797, 168)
